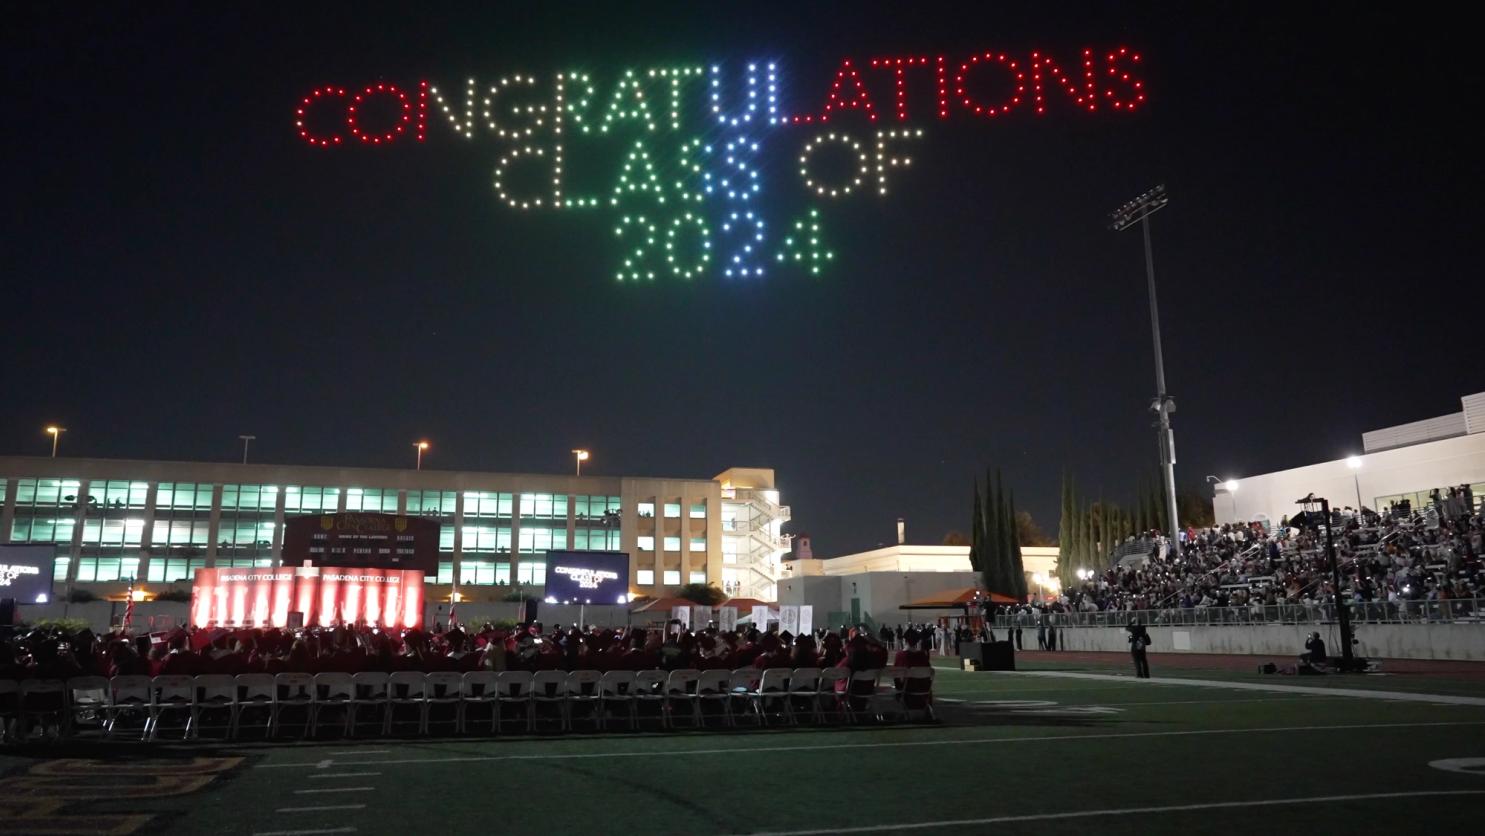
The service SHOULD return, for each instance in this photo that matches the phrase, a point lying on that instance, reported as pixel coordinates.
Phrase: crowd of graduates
(50, 653)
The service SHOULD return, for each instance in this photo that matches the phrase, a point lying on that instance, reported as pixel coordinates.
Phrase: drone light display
(687, 191)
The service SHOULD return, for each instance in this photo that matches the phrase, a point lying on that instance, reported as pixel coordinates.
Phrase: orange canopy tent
(950, 599)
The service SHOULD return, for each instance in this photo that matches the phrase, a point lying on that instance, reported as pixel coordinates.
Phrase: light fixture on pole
(420, 446)
(1139, 211)
(246, 440)
(56, 433)
(1354, 462)
(581, 456)
(1229, 485)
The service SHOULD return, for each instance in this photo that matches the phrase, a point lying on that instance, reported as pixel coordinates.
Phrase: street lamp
(581, 456)
(246, 440)
(1139, 211)
(1229, 485)
(56, 433)
(420, 446)
(1354, 462)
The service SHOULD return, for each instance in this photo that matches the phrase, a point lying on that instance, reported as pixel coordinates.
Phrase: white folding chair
(43, 701)
(742, 686)
(917, 691)
(368, 688)
(713, 687)
(549, 688)
(886, 700)
(293, 690)
(406, 688)
(128, 695)
(833, 682)
(480, 688)
(861, 691)
(614, 689)
(680, 691)
(772, 689)
(254, 691)
(87, 702)
(582, 689)
(334, 690)
(444, 688)
(10, 706)
(648, 690)
(171, 693)
(514, 689)
(214, 692)
(804, 694)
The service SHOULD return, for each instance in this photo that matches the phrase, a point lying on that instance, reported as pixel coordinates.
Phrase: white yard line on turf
(346, 775)
(320, 808)
(1120, 811)
(834, 747)
(344, 752)
(1363, 693)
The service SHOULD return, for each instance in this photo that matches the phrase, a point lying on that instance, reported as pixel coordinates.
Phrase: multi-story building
(158, 522)
(753, 542)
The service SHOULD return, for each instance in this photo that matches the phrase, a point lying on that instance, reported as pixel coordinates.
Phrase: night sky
(180, 267)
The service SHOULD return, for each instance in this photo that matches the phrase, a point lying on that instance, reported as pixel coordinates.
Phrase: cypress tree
(1014, 565)
(976, 530)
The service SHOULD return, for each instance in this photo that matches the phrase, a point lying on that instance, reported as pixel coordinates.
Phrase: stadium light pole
(420, 446)
(581, 456)
(1342, 612)
(1139, 211)
(246, 440)
(56, 433)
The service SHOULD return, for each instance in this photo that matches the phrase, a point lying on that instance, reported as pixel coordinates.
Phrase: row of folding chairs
(481, 701)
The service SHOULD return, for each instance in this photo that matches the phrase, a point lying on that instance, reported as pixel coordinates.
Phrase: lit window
(698, 510)
(646, 544)
(698, 577)
(646, 509)
(672, 577)
(672, 510)
(698, 544)
(645, 577)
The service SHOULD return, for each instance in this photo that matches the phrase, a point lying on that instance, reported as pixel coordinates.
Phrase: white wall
(1286, 641)
(1421, 467)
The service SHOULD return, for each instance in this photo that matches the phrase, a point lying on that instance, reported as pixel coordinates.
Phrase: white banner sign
(760, 618)
(789, 620)
(701, 617)
(683, 615)
(727, 618)
(806, 618)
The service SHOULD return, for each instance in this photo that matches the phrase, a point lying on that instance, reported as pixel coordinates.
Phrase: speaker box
(989, 656)
(530, 614)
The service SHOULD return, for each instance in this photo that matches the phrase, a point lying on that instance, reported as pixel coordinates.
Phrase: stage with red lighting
(324, 595)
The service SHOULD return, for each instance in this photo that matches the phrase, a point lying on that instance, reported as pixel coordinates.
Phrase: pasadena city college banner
(326, 595)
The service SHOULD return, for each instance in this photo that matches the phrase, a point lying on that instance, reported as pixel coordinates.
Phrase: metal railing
(1457, 610)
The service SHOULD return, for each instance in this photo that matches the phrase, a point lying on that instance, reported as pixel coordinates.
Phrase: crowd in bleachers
(1403, 555)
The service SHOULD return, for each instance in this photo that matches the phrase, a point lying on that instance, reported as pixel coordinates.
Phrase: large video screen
(26, 573)
(587, 577)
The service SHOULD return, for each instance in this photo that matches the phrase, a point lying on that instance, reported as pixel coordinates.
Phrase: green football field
(1040, 751)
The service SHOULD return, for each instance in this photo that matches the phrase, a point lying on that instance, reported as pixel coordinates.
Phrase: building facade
(111, 520)
(1398, 464)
